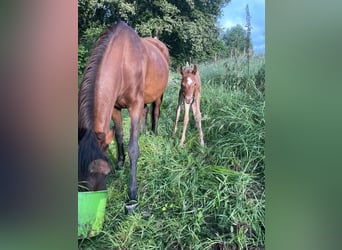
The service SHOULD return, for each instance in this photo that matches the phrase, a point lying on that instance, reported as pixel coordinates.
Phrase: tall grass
(195, 197)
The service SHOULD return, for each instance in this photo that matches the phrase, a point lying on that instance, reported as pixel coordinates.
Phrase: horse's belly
(150, 98)
(152, 94)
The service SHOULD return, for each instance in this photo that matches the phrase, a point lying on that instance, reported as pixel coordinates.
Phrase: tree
(236, 40)
(248, 37)
(188, 27)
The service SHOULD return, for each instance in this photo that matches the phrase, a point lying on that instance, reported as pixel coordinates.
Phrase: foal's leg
(155, 113)
(180, 99)
(117, 118)
(186, 120)
(198, 118)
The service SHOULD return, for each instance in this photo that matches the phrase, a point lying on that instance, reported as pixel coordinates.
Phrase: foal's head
(189, 83)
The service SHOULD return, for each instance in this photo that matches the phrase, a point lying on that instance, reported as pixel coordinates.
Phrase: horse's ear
(181, 70)
(194, 70)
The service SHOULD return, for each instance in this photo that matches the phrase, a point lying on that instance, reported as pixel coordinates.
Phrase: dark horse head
(93, 166)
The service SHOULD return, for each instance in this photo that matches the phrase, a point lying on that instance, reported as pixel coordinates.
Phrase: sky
(235, 13)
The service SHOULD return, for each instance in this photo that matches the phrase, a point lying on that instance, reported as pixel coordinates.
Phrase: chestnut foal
(190, 93)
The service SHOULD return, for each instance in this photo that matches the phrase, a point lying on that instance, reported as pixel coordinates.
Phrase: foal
(190, 93)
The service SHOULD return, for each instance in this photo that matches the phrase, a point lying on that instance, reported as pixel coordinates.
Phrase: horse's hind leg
(144, 119)
(117, 118)
(155, 114)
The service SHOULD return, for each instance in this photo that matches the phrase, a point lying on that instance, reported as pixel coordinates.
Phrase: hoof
(130, 206)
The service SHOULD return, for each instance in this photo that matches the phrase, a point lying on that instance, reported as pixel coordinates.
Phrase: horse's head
(97, 174)
(93, 165)
(189, 83)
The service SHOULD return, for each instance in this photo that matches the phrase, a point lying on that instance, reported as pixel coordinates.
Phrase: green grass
(195, 197)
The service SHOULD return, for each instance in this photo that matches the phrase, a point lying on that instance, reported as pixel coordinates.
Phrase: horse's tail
(88, 151)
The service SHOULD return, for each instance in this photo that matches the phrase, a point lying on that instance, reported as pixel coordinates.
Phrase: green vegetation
(195, 197)
(187, 27)
(236, 41)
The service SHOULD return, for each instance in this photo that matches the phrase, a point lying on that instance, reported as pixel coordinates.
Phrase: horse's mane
(86, 92)
(88, 148)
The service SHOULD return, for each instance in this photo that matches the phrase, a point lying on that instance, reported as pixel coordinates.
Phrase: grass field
(195, 197)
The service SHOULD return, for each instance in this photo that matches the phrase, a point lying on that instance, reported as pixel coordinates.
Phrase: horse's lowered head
(98, 172)
(93, 164)
(190, 82)
(96, 177)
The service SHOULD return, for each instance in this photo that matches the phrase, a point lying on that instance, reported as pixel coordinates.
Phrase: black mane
(88, 149)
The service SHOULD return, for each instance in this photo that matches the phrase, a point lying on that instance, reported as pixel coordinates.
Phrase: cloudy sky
(235, 13)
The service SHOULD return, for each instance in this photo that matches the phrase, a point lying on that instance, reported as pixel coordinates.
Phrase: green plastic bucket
(91, 211)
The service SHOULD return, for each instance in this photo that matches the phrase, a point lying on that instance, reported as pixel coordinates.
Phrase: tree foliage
(188, 27)
(236, 40)
(248, 37)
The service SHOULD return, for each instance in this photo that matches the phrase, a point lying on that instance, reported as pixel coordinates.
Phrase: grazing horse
(190, 94)
(156, 81)
(123, 71)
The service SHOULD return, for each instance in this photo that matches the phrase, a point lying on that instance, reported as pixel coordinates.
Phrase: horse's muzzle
(189, 100)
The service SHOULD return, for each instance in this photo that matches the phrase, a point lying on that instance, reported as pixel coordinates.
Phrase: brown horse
(190, 93)
(123, 71)
(156, 81)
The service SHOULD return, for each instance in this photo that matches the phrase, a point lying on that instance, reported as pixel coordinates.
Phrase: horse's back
(157, 69)
(160, 45)
(123, 67)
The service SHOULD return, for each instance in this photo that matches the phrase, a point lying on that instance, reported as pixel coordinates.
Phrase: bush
(82, 59)
(260, 78)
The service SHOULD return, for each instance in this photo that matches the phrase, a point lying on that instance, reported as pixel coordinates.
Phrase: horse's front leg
(133, 153)
(186, 120)
(180, 99)
(117, 118)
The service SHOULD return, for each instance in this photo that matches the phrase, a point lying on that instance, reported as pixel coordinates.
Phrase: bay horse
(153, 94)
(124, 71)
(190, 94)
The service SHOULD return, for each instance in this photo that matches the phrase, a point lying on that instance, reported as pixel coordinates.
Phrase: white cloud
(229, 23)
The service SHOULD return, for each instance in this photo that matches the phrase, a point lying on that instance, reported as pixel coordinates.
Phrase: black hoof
(130, 206)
